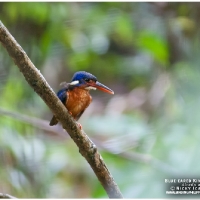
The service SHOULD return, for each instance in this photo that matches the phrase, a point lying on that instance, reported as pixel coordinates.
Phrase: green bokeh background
(148, 53)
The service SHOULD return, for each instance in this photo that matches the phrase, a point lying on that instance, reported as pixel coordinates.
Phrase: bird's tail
(53, 121)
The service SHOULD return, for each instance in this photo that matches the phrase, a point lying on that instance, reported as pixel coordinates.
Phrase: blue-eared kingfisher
(75, 95)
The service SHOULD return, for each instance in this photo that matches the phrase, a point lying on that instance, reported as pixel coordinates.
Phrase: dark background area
(148, 53)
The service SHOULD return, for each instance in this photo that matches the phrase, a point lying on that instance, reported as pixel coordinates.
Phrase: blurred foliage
(148, 53)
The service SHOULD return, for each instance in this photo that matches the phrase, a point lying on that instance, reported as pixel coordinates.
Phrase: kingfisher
(75, 95)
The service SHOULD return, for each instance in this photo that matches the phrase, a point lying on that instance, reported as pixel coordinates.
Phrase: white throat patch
(90, 88)
(74, 83)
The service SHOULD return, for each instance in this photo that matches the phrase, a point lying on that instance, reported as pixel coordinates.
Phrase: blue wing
(62, 95)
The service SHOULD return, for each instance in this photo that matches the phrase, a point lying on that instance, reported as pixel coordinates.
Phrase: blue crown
(83, 75)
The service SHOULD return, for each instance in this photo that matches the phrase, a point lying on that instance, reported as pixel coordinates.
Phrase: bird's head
(88, 81)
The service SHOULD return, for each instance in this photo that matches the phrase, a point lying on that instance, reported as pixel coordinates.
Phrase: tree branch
(41, 87)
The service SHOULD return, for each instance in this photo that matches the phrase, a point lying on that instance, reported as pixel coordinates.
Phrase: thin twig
(132, 156)
(39, 123)
(6, 196)
(41, 87)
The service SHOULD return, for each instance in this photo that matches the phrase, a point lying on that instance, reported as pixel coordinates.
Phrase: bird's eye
(87, 79)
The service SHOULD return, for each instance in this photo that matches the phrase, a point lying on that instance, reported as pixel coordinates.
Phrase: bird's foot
(79, 125)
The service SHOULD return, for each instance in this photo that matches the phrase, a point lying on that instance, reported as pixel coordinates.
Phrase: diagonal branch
(41, 87)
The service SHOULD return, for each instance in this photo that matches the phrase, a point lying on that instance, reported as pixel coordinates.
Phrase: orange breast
(77, 101)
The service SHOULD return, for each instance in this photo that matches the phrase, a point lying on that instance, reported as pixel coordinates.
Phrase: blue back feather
(62, 95)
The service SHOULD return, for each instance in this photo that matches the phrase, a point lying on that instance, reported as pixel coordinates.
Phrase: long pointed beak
(102, 87)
